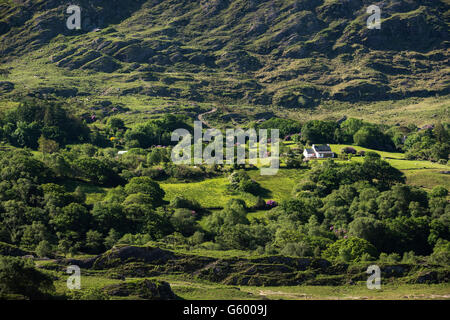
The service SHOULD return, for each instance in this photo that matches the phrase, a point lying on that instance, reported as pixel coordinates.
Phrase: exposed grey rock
(102, 64)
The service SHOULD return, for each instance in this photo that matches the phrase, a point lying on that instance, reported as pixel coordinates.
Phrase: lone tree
(47, 145)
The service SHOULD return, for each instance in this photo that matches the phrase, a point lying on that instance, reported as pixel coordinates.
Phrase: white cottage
(318, 152)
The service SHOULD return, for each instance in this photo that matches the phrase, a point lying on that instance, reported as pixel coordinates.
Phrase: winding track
(200, 117)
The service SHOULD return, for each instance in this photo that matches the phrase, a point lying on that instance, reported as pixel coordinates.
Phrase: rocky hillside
(124, 262)
(286, 53)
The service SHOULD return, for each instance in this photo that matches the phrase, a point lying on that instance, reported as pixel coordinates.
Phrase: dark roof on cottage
(322, 148)
(309, 151)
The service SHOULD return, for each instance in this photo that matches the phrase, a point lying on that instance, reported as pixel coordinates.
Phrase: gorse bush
(350, 250)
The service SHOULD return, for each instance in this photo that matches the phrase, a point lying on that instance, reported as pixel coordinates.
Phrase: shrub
(44, 249)
(240, 180)
(180, 202)
(260, 204)
(300, 249)
(389, 258)
(135, 239)
(439, 192)
(350, 250)
(146, 186)
(183, 220)
(154, 173)
(112, 238)
(441, 253)
(197, 238)
(184, 172)
(88, 294)
(19, 276)
(94, 241)
(348, 150)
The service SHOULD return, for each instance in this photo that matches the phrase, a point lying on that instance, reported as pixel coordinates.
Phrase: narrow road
(200, 117)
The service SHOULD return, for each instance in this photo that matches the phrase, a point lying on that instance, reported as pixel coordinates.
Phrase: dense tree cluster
(157, 132)
(429, 144)
(32, 119)
(350, 212)
(286, 126)
(350, 131)
(36, 212)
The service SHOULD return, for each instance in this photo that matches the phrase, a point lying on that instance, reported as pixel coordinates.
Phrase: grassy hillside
(301, 59)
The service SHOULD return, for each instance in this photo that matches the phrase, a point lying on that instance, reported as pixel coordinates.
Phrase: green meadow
(213, 193)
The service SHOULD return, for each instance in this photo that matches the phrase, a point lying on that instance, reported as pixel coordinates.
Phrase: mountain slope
(289, 54)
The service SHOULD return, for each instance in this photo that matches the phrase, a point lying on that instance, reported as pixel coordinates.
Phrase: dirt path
(200, 117)
(267, 293)
(304, 296)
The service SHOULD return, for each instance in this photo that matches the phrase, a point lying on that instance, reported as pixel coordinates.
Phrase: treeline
(24, 125)
(49, 126)
(56, 126)
(428, 143)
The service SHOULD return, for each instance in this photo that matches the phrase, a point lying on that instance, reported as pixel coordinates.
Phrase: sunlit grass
(427, 178)
(336, 148)
(211, 193)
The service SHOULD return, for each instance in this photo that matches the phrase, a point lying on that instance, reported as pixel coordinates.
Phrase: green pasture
(336, 148)
(427, 178)
(213, 193)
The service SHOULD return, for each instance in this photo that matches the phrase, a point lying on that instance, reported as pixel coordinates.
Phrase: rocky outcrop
(6, 86)
(135, 53)
(119, 255)
(142, 262)
(102, 64)
(360, 90)
(145, 289)
(238, 61)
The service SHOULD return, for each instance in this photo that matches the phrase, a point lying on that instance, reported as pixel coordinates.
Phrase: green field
(336, 148)
(419, 173)
(427, 178)
(213, 193)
